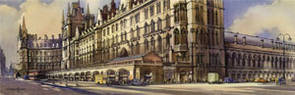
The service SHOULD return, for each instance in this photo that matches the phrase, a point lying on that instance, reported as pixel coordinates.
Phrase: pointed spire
(24, 23)
(88, 10)
(20, 30)
(63, 16)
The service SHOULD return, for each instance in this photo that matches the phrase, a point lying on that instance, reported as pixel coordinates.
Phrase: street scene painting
(147, 47)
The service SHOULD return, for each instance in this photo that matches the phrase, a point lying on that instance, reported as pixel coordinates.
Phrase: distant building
(2, 62)
(249, 57)
(38, 55)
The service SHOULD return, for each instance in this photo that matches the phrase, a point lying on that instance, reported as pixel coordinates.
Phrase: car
(136, 82)
(228, 80)
(26, 77)
(260, 80)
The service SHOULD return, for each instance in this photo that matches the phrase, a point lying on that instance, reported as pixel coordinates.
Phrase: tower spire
(63, 16)
(24, 23)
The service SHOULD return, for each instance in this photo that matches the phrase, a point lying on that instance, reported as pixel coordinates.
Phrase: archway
(124, 53)
(123, 76)
(88, 75)
(111, 76)
(184, 76)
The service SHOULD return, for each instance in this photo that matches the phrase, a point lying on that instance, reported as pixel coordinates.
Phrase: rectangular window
(146, 13)
(131, 20)
(137, 18)
(152, 10)
(108, 31)
(159, 7)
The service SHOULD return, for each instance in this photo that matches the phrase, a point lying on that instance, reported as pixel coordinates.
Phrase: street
(25, 87)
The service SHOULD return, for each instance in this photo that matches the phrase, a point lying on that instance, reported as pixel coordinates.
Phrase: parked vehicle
(260, 80)
(229, 80)
(282, 81)
(213, 78)
(100, 79)
(136, 82)
(26, 77)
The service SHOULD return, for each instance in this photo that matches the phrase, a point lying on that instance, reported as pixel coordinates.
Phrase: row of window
(147, 46)
(45, 53)
(257, 61)
(136, 17)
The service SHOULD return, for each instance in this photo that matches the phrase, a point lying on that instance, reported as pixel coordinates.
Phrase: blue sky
(236, 8)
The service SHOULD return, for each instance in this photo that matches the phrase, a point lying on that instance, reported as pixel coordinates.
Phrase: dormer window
(244, 40)
(272, 44)
(262, 43)
(236, 39)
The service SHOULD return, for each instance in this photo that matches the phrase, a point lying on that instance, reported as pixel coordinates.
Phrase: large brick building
(37, 55)
(165, 40)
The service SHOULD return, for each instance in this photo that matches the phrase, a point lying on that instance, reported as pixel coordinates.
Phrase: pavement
(27, 87)
(23, 87)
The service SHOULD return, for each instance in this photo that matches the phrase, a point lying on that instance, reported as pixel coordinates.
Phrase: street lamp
(192, 62)
(284, 36)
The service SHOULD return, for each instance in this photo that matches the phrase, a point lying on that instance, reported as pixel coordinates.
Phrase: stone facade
(186, 35)
(249, 57)
(38, 55)
(172, 29)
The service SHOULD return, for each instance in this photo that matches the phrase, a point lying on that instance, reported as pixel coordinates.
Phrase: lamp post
(284, 36)
(192, 62)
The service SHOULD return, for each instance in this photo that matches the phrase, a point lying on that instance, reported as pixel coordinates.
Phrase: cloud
(269, 20)
(42, 17)
(9, 18)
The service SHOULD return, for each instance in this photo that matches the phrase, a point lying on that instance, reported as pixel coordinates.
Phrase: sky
(266, 18)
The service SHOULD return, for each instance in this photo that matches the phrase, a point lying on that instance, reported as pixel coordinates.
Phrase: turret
(24, 28)
(63, 18)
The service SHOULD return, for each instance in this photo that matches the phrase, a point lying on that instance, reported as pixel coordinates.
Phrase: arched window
(145, 28)
(131, 33)
(116, 39)
(159, 43)
(168, 21)
(176, 36)
(122, 36)
(239, 60)
(168, 40)
(125, 38)
(137, 31)
(153, 26)
(259, 61)
(183, 36)
(159, 24)
(146, 45)
(254, 61)
(153, 44)
(244, 60)
(233, 59)
(132, 49)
